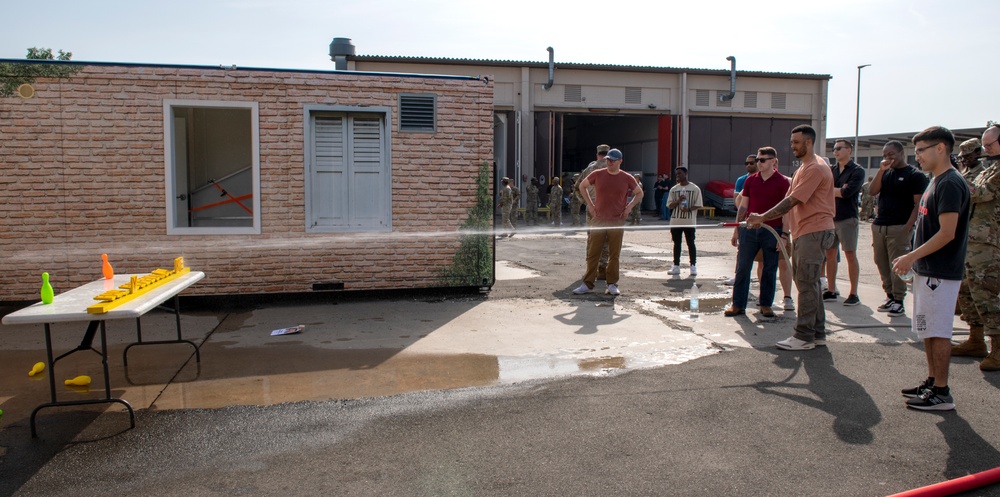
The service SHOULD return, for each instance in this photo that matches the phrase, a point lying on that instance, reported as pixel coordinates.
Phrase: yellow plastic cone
(37, 368)
(79, 381)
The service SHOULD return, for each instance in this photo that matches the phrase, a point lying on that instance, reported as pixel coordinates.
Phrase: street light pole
(857, 121)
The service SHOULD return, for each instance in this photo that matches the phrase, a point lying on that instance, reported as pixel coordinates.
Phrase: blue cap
(614, 154)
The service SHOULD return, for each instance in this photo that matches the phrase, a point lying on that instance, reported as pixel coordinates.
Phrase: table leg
(180, 338)
(52, 380)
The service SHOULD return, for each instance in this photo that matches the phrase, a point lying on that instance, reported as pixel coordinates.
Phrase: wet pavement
(385, 395)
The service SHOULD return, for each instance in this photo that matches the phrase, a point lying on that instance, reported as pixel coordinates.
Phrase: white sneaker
(789, 304)
(582, 289)
(694, 270)
(674, 270)
(730, 282)
(792, 343)
(612, 290)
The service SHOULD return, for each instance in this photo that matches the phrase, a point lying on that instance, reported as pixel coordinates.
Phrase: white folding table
(72, 306)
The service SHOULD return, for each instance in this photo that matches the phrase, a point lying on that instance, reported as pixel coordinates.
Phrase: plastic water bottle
(695, 295)
(907, 276)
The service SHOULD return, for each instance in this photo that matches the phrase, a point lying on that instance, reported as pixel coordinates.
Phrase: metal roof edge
(229, 68)
(575, 65)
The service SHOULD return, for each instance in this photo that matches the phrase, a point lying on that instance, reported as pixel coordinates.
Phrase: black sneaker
(930, 401)
(896, 309)
(852, 299)
(829, 296)
(885, 305)
(918, 391)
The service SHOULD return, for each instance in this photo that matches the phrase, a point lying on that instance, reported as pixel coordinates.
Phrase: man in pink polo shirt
(810, 207)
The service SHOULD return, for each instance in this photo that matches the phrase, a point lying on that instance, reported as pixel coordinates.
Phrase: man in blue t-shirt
(899, 187)
(938, 262)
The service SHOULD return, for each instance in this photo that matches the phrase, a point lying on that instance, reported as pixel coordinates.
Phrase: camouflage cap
(970, 147)
(603, 148)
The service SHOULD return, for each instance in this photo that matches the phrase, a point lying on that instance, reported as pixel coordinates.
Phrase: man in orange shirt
(810, 207)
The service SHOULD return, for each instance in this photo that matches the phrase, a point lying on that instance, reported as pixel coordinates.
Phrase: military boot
(992, 363)
(975, 346)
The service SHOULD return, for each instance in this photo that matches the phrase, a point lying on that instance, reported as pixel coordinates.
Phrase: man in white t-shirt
(685, 200)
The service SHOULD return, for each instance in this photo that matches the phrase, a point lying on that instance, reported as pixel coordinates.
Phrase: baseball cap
(969, 147)
(603, 148)
(614, 154)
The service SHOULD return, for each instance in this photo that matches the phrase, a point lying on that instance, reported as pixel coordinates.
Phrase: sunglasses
(838, 149)
(764, 159)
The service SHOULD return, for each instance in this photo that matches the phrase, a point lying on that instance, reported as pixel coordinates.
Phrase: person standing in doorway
(505, 204)
(847, 180)
(555, 202)
(810, 207)
(898, 186)
(610, 208)
(531, 204)
(938, 262)
(685, 200)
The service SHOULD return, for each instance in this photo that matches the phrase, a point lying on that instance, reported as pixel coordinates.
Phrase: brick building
(267, 180)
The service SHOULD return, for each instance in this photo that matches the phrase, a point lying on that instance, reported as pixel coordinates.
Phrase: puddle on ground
(705, 305)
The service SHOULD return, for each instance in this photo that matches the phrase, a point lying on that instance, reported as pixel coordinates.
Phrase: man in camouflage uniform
(505, 204)
(867, 210)
(634, 217)
(531, 204)
(982, 260)
(555, 202)
(575, 202)
(600, 163)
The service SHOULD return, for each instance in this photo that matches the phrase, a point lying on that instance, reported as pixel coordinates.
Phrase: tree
(14, 74)
(473, 261)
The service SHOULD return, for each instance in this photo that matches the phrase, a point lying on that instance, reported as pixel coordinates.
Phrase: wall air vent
(777, 100)
(750, 100)
(701, 98)
(719, 102)
(633, 96)
(416, 112)
(573, 93)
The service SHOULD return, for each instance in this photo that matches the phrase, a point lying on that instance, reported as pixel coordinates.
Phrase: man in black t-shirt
(898, 186)
(939, 263)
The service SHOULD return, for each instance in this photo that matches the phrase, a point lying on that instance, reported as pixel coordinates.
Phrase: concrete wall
(84, 174)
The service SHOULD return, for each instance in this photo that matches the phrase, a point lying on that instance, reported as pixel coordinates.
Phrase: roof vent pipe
(552, 68)
(732, 81)
(340, 49)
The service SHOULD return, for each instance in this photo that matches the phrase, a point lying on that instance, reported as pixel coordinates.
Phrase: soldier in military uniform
(634, 217)
(555, 202)
(600, 163)
(867, 210)
(531, 204)
(505, 204)
(575, 202)
(982, 260)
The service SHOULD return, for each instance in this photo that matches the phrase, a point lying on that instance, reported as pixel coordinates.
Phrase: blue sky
(930, 63)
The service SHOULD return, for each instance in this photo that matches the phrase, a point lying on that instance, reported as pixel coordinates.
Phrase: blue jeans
(752, 241)
(664, 211)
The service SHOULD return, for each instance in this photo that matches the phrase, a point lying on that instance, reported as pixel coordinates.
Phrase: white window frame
(171, 189)
(308, 152)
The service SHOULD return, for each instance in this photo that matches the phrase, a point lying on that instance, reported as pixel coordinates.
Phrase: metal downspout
(552, 68)
(732, 81)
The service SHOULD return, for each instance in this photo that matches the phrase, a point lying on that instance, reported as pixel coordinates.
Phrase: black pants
(688, 234)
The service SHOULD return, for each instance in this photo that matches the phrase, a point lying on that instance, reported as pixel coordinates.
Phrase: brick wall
(83, 174)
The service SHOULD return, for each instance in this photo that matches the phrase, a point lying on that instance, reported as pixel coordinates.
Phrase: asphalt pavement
(525, 390)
